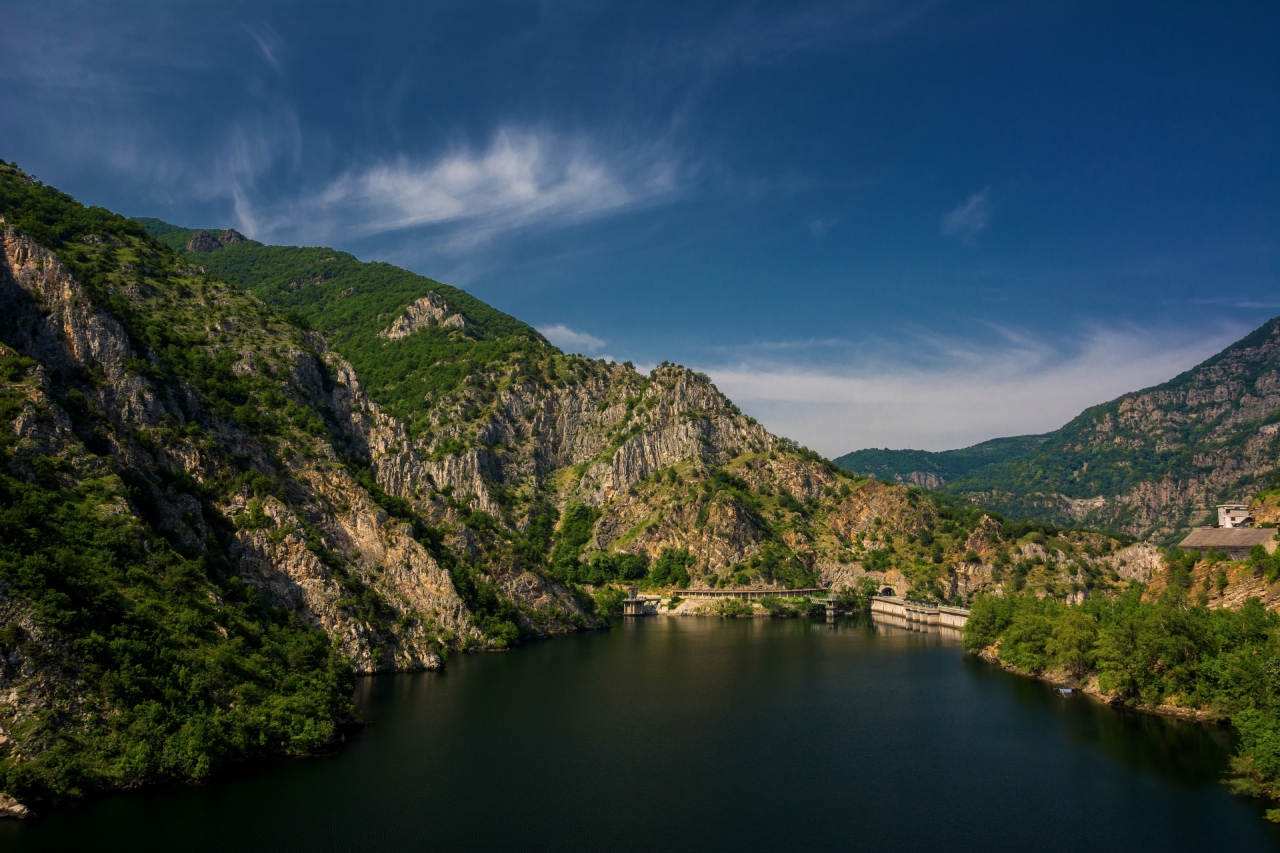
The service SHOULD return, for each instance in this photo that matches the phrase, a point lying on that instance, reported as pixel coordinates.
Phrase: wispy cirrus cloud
(969, 217)
(274, 177)
(524, 178)
(960, 393)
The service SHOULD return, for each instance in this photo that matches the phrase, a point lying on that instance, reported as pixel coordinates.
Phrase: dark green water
(700, 734)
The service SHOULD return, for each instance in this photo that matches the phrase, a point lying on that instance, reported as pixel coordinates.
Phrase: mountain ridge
(932, 469)
(1152, 462)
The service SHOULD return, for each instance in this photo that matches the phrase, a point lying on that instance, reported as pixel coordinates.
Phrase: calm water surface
(700, 734)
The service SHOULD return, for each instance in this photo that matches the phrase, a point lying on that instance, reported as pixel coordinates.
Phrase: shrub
(609, 601)
(733, 608)
(672, 568)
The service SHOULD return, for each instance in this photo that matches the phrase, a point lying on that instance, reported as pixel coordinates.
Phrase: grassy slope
(947, 465)
(350, 302)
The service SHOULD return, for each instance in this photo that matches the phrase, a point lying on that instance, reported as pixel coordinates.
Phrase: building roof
(1227, 537)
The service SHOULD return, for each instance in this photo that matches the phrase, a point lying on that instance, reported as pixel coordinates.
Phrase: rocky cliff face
(499, 459)
(203, 241)
(308, 541)
(430, 310)
(1224, 585)
(1156, 462)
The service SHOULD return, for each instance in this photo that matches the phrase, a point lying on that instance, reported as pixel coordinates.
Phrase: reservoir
(707, 734)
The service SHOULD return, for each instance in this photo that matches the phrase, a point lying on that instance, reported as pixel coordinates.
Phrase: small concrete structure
(922, 613)
(640, 605)
(1235, 542)
(1234, 515)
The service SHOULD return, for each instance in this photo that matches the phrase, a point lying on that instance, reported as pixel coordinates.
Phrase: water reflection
(707, 734)
(889, 624)
(1182, 752)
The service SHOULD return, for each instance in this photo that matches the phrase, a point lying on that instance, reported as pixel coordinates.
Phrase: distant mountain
(1155, 462)
(933, 469)
(1151, 463)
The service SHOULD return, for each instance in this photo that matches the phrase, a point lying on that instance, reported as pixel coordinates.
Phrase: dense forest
(133, 657)
(1167, 652)
(933, 469)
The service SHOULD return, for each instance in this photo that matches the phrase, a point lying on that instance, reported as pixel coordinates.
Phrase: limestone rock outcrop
(430, 310)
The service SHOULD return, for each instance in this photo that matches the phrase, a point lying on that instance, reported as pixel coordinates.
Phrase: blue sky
(874, 224)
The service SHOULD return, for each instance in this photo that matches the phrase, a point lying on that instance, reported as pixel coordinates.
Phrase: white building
(1234, 515)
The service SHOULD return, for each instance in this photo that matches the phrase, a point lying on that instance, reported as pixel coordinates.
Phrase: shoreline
(1090, 688)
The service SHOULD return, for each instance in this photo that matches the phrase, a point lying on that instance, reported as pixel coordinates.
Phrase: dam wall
(915, 613)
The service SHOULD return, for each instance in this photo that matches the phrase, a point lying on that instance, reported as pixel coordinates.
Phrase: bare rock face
(732, 534)
(203, 241)
(874, 502)
(1226, 585)
(430, 310)
(1138, 563)
(985, 539)
(11, 808)
(1265, 509)
(45, 314)
(1178, 449)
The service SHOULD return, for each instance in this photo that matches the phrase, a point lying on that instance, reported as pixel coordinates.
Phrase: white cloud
(970, 216)
(1018, 388)
(570, 341)
(524, 178)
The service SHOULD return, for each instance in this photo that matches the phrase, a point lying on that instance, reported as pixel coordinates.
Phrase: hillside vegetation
(1152, 463)
(933, 469)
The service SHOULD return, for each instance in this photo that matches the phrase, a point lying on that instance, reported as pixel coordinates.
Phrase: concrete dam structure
(917, 615)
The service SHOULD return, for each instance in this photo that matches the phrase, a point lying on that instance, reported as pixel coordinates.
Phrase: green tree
(1073, 641)
(672, 568)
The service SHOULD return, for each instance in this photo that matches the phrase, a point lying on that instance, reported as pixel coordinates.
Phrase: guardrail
(750, 593)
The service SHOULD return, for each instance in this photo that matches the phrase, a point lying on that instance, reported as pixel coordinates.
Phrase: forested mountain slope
(933, 469)
(1152, 463)
(180, 530)
(1155, 462)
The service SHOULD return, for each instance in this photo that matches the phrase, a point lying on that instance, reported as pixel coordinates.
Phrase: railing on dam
(750, 593)
(919, 612)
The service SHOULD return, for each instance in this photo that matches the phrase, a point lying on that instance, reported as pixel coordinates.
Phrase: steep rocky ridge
(500, 458)
(159, 428)
(1152, 463)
